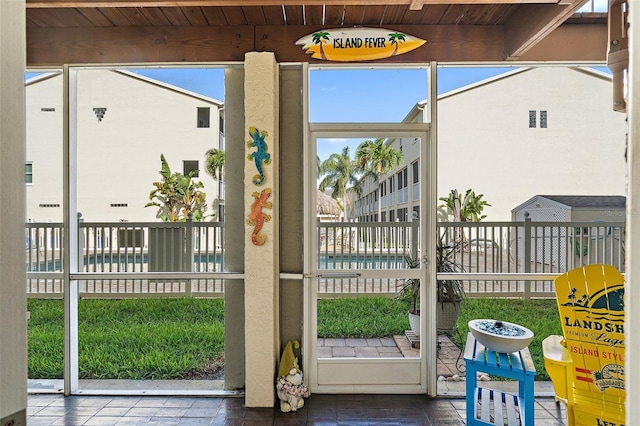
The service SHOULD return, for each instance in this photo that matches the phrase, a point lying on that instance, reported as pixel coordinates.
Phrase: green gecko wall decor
(260, 156)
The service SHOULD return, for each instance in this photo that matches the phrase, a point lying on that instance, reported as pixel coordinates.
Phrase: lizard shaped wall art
(257, 218)
(260, 155)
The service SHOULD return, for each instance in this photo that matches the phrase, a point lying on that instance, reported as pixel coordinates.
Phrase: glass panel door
(365, 248)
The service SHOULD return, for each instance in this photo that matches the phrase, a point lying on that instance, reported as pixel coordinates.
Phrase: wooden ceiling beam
(192, 45)
(413, 4)
(532, 23)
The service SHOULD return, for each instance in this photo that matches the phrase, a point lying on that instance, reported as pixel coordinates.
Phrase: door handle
(338, 274)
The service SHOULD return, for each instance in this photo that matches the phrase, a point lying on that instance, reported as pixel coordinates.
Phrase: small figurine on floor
(289, 386)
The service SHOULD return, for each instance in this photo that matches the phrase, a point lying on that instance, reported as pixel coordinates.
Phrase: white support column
(13, 312)
(261, 259)
(429, 190)
(70, 221)
(632, 369)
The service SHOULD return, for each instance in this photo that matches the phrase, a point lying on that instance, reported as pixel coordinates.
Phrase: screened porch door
(359, 256)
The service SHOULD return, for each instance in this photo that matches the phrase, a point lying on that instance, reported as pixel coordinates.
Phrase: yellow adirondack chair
(587, 365)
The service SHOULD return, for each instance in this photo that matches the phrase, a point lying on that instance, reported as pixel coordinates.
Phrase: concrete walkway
(450, 362)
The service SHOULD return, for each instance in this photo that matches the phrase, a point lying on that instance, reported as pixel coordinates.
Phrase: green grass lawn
(130, 339)
(184, 338)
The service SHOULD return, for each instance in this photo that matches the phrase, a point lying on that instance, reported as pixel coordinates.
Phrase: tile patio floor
(347, 410)
(319, 409)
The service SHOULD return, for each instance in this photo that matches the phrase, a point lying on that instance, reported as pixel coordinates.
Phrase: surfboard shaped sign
(358, 44)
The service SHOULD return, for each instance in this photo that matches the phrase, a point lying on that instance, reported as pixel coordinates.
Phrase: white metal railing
(43, 258)
(148, 259)
(130, 259)
(493, 257)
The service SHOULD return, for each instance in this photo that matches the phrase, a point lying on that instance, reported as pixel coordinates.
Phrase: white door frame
(370, 375)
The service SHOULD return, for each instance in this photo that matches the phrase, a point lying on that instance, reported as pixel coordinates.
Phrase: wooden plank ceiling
(142, 31)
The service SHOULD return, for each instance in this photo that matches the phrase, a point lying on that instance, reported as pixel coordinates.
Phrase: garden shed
(584, 240)
(572, 208)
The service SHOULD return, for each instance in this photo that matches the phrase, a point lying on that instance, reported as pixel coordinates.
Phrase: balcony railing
(498, 259)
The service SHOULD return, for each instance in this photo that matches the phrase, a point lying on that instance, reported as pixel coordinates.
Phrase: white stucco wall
(13, 311)
(118, 157)
(485, 143)
(44, 147)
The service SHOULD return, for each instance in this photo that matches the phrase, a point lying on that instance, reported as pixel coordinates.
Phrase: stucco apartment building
(529, 131)
(125, 121)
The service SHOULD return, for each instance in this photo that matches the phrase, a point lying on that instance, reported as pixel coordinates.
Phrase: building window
(402, 179)
(391, 184)
(543, 119)
(190, 166)
(383, 188)
(532, 119)
(415, 171)
(204, 117)
(28, 173)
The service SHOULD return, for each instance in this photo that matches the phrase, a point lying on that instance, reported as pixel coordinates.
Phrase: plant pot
(447, 315)
(414, 322)
(167, 249)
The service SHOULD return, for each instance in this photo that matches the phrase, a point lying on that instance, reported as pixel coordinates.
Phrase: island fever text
(357, 42)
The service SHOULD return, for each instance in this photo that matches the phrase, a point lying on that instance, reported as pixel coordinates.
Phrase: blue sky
(340, 94)
(344, 95)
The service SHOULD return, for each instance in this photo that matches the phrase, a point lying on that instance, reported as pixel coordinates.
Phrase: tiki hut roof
(327, 205)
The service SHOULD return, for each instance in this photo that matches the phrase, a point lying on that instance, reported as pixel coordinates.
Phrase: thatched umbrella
(327, 206)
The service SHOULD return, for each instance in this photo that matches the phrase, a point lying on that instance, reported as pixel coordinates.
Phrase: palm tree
(340, 173)
(375, 158)
(467, 208)
(214, 161)
(177, 195)
(214, 165)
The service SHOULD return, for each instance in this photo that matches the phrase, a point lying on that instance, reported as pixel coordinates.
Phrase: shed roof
(589, 201)
(582, 201)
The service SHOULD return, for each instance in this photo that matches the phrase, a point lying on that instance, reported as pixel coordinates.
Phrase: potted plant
(450, 293)
(177, 197)
(457, 208)
(408, 292)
